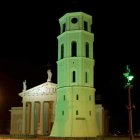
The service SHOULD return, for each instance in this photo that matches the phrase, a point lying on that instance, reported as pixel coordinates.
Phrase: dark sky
(29, 41)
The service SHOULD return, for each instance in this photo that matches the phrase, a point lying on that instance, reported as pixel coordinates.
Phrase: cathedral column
(24, 119)
(28, 118)
(32, 118)
(41, 118)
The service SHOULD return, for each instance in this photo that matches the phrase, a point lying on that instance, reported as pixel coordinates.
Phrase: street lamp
(129, 87)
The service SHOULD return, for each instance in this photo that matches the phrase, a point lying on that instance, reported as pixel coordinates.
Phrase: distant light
(130, 78)
(127, 74)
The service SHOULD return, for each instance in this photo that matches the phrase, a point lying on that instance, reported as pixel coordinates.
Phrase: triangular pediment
(46, 88)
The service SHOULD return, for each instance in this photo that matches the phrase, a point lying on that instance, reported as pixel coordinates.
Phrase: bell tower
(75, 114)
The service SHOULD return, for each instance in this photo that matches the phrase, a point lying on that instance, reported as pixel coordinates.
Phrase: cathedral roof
(42, 89)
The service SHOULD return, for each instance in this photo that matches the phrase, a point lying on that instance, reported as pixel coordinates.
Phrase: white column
(28, 118)
(46, 116)
(24, 118)
(32, 118)
(41, 118)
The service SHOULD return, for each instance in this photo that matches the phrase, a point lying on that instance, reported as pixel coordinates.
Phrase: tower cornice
(73, 14)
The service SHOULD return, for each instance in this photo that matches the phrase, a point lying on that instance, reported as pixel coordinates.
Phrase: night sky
(28, 43)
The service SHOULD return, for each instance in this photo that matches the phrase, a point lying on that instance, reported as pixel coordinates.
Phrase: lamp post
(129, 107)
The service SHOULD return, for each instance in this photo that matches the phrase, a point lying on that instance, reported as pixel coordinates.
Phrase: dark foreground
(9, 137)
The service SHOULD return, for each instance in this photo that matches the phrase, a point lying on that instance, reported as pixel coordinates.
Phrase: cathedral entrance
(48, 117)
(43, 117)
(43, 128)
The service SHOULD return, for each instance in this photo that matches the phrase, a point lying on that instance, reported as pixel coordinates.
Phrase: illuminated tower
(75, 105)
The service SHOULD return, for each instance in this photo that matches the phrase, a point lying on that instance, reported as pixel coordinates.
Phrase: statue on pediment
(49, 75)
(24, 85)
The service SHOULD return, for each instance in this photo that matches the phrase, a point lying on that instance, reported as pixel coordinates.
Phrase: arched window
(85, 26)
(89, 97)
(62, 51)
(90, 113)
(77, 97)
(63, 112)
(86, 77)
(87, 49)
(64, 97)
(73, 76)
(76, 112)
(64, 28)
(74, 48)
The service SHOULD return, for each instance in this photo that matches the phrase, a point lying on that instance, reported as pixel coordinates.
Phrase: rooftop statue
(24, 85)
(49, 75)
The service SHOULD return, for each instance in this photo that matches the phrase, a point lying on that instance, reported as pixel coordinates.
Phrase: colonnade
(37, 117)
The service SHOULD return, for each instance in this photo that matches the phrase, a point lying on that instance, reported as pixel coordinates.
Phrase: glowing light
(128, 75)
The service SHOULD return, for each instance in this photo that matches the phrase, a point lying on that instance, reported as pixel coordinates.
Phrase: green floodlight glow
(130, 77)
(127, 74)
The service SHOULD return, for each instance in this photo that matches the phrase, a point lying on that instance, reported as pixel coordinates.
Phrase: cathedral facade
(36, 116)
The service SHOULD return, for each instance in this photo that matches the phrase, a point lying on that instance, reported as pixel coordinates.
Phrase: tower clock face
(74, 20)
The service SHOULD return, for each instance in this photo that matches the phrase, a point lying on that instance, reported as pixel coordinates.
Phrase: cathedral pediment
(46, 88)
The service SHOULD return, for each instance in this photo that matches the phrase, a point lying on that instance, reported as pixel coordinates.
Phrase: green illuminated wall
(75, 105)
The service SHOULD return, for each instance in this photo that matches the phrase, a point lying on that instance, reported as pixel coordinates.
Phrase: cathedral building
(65, 109)
(37, 114)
